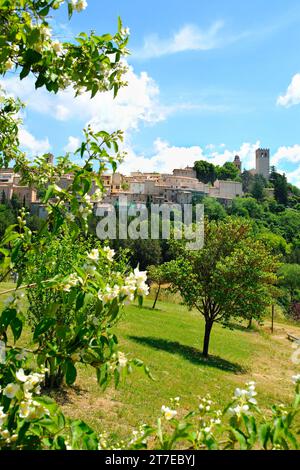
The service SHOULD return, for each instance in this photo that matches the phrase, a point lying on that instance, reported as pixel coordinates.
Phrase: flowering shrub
(75, 290)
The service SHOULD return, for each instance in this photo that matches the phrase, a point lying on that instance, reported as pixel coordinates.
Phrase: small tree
(230, 277)
(159, 276)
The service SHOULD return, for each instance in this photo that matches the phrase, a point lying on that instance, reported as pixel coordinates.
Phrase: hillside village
(180, 187)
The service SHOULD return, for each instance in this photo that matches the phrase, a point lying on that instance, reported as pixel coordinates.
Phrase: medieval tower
(263, 163)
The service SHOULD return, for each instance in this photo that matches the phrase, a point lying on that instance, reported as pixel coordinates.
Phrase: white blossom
(11, 390)
(45, 32)
(168, 413)
(21, 376)
(8, 64)
(109, 253)
(57, 47)
(93, 255)
(79, 5)
(122, 359)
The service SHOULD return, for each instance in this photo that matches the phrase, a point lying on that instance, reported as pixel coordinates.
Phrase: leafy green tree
(231, 277)
(158, 276)
(247, 181)
(206, 172)
(258, 188)
(227, 172)
(247, 207)
(280, 187)
(289, 279)
(276, 243)
(213, 209)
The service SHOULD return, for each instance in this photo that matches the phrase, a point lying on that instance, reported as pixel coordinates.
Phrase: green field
(169, 341)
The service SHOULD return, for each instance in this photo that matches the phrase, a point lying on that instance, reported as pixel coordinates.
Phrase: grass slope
(169, 341)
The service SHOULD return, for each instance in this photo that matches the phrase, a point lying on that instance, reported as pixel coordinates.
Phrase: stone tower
(263, 163)
(237, 162)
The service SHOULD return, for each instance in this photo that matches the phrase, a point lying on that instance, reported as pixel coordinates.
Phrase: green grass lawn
(169, 341)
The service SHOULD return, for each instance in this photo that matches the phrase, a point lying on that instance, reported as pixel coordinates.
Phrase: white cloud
(167, 157)
(294, 176)
(136, 103)
(72, 145)
(189, 37)
(292, 95)
(30, 143)
(287, 154)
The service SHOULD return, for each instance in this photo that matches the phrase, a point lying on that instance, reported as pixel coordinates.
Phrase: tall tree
(281, 189)
(258, 188)
(231, 277)
(206, 172)
(247, 181)
(227, 172)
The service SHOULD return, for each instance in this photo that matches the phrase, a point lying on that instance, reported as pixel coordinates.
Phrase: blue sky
(206, 80)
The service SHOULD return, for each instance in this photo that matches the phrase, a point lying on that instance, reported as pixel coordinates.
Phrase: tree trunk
(249, 324)
(156, 297)
(208, 327)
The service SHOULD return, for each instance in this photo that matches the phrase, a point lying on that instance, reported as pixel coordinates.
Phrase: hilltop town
(180, 187)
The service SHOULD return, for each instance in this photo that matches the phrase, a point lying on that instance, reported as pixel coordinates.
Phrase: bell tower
(263, 163)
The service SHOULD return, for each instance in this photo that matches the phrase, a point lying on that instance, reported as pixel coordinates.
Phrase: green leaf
(42, 327)
(71, 373)
(80, 300)
(25, 71)
(8, 315)
(120, 24)
(44, 11)
(16, 327)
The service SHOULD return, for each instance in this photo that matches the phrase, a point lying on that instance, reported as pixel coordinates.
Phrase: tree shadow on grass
(240, 327)
(144, 307)
(189, 353)
(65, 396)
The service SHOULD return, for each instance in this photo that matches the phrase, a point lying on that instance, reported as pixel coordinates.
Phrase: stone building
(262, 158)
(237, 162)
(10, 185)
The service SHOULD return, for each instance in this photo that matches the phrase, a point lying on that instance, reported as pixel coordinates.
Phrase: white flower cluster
(207, 424)
(97, 196)
(57, 47)
(79, 5)
(168, 413)
(23, 391)
(138, 434)
(244, 398)
(109, 253)
(134, 284)
(45, 32)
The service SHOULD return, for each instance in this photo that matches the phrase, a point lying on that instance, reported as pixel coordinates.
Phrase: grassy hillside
(169, 340)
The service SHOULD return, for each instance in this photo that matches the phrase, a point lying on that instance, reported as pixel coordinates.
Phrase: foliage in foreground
(31, 421)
